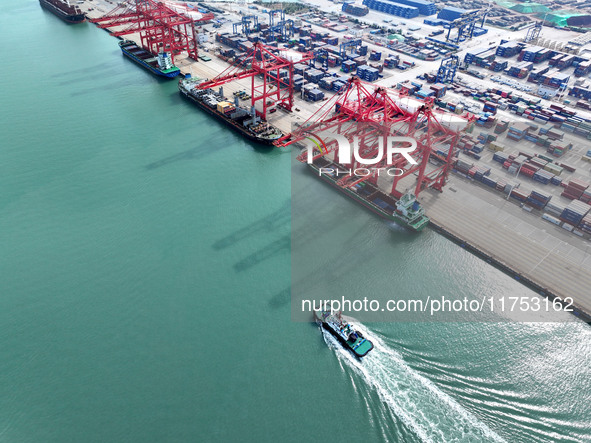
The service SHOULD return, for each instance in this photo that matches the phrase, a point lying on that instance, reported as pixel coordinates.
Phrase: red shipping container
(522, 195)
(567, 195)
(569, 168)
(530, 166)
(578, 184)
(573, 191)
(538, 162)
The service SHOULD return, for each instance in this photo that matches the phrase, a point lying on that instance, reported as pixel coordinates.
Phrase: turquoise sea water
(145, 274)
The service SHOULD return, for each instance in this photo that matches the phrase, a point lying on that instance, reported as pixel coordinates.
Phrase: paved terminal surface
(538, 250)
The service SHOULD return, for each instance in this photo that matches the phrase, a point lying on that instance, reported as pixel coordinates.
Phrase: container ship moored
(345, 333)
(160, 65)
(406, 211)
(242, 120)
(64, 10)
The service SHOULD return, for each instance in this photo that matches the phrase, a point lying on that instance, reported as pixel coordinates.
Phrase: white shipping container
(553, 211)
(551, 219)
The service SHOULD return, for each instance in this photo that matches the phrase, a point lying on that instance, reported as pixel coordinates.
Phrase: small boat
(345, 333)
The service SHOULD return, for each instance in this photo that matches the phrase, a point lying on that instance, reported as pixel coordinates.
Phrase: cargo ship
(245, 121)
(160, 65)
(64, 10)
(406, 211)
(345, 333)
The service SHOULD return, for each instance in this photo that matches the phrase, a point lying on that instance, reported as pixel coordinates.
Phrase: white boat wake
(418, 403)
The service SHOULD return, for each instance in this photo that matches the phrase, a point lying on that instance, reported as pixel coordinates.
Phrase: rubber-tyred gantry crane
(160, 27)
(367, 113)
(262, 61)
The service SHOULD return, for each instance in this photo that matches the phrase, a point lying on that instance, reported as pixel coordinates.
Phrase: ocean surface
(145, 276)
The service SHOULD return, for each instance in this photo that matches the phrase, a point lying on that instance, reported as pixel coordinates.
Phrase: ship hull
(147, 66)
(239, 128)
(341, 340)
(359, 199)
(68, 18)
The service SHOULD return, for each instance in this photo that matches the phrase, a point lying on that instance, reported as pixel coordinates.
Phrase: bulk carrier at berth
(405, 211)
(246, 122)
(64, 10)
(160, 64)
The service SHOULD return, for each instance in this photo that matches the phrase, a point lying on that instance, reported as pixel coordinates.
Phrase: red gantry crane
(267, 63)
(159, 26)
(369, 113)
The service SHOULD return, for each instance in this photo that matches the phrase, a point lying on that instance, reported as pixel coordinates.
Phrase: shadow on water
(277, 247)
(98, 68)
(19, 8)
(190, 154)
(339, 262)
(109, 72)
(280, 299)
(268, 223)
(259, 147)
(128, 78)
(121, 84)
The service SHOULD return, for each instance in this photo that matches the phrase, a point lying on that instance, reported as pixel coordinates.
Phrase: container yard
(537, 193)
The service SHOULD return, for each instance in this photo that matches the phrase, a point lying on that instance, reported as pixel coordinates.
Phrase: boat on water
(345, 333)
(406, 211)
(243, 120)
(160, 64)
(64, 10)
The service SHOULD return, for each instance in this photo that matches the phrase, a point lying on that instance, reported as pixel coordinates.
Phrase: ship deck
(363, 348)
(146, 57)
(367, 191)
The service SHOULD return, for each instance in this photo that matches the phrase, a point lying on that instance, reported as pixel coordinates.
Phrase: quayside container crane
(267, 63)
(368, 113)
(160, 27)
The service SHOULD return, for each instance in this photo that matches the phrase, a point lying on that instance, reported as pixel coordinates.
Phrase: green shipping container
(554, 169)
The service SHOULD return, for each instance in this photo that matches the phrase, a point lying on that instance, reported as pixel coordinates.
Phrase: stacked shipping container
(575, 189)
(368, 73)
(575, 212)
(509, 49)
(392, 8)
(353, 9)
(535, 54)
(450, 13)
